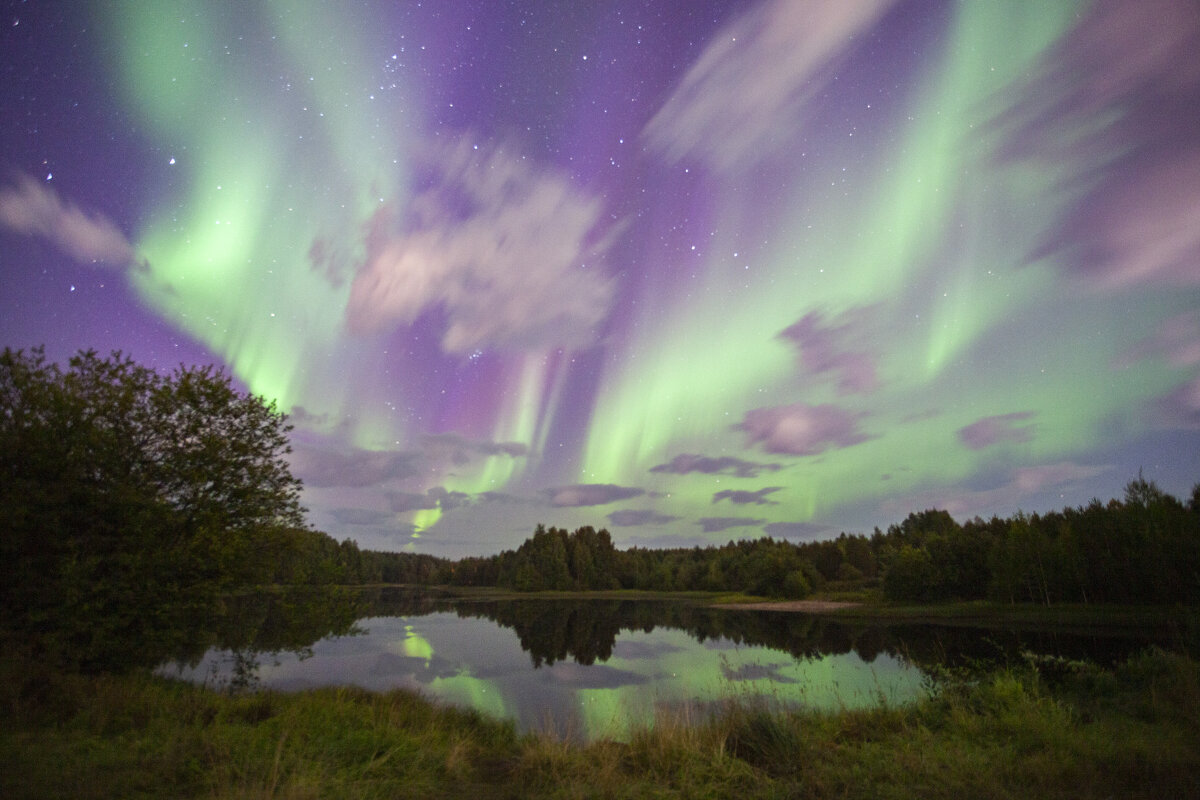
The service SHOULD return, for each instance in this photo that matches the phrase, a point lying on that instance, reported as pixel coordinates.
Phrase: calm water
(595, 668)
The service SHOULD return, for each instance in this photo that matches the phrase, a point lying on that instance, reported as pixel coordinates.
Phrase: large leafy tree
(130, 499)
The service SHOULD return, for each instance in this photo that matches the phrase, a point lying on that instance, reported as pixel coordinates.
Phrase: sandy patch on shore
(803, 606)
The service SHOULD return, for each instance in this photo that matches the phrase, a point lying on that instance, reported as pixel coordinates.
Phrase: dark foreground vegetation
(132, 503)
(1046, 729)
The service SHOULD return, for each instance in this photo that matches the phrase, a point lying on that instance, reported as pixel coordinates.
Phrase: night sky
(691, 271)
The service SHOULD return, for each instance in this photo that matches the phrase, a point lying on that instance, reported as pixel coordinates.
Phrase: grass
(1065, 616)
(1049, 729)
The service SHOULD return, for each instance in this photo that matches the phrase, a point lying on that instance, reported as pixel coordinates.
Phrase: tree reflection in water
(255, 625)
(597, 660)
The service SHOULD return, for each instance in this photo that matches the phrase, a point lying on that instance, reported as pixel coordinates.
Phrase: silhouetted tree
(129, 499)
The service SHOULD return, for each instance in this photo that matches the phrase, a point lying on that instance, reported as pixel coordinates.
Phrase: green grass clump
(1046, 729)
(145, 736)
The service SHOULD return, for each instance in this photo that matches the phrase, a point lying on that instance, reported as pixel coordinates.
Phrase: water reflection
(593, 668)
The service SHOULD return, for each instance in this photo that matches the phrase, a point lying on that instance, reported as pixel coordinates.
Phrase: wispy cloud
(325, 460)
(460, 450)
(436, 497)
(802, 429)
(449, 499)
(1121, 89)
(505, 498)
(589, 494)
(401, 502)
(633, 518)
(746, 93)
(994, 430)
(1177, 341)
(1045, 476)
(742, 497)
(837, 348)
(718, 524)
(322, 468)
(35, 209)
(512, 255)
(1181, 406)
(1022, 484)
(723, 465)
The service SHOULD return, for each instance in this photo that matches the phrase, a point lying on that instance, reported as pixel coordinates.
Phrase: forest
(1142, 549)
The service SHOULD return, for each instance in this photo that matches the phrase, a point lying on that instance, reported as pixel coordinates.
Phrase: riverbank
(1076, 617)
(1047, 730)
(868, 605)
(795, 606)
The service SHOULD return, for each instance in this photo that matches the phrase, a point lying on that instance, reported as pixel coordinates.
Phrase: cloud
(750, 86)
(459, 449)
(33, 208)
(321, 463)
(794, 530)
(836, 348)
(718, 524)
(351, 468)
(1177, 341)
(436, 497)
(447, 499)
(801, 429)
(1121, 89)
(994, 430)
(1046, 476)
(724, 465)
(302, 417)
(1147, 231)
(631, 518)
(589, 494)
(512, 256)
(1181, 406)
(742, 498)
(325, 258)
(502, 497)
(360, 516)
(410, 501)
(1022, 483)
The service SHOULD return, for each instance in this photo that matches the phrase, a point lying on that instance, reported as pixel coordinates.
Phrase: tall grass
(1041, 729)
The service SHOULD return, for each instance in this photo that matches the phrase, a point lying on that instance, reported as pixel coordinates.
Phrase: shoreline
(794, 606)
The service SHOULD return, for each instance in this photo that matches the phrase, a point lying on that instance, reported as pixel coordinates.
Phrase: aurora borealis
(690, 271)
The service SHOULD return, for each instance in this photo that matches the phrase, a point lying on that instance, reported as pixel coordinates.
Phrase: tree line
(1142, 549)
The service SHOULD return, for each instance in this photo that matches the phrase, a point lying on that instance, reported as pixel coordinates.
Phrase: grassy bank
(501, 593)
(1183, 619)
(1057, 730)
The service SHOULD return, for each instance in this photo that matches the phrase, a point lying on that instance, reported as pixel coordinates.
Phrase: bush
(129, 500)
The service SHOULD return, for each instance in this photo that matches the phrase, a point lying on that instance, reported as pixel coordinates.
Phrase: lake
(595, 668)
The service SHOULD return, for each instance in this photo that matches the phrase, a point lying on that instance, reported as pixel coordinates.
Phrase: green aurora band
(256, 176)
(699, 361)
